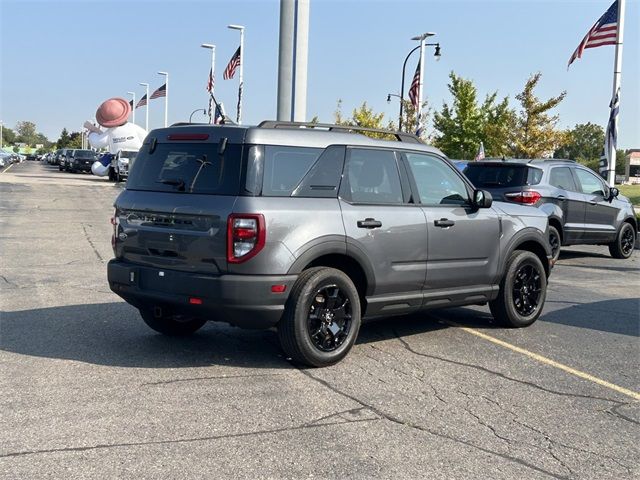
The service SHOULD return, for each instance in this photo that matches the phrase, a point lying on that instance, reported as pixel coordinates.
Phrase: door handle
(369, 223)
(444, 223)
(561, 197)
(592, 202)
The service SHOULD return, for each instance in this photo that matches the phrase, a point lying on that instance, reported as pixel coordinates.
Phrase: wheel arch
(533, 241)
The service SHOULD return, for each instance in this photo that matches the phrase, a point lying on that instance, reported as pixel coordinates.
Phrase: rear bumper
(242, 300)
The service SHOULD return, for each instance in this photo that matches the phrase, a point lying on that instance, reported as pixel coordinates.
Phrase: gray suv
(311, 228)
(582, 208)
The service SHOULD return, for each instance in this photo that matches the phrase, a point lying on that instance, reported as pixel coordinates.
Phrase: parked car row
(8, 157)
(72, 160)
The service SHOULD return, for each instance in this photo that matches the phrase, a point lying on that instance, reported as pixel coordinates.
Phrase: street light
(204, 111)
(1, 123)
(146, 122)
(404, 67)
(213, 66)
(166, 96)
(133, 108)
(240, 86)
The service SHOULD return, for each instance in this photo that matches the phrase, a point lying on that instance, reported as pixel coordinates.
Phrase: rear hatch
(180, 192)
(504, 180)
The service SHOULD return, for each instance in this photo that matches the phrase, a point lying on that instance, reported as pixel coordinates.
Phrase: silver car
(312, 229)
(581, 206)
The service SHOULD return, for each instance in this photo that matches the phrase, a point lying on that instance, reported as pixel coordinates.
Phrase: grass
(632, 192)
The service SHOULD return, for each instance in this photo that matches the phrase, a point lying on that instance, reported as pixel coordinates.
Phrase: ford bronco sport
(311, 229)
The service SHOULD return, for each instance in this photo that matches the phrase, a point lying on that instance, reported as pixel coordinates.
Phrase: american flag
(160, 92)
(211, 81)
(142, 102)
(415, 87)
(131, 103)
(611, 135)
(230, 71)
(604, 32)
(480, 154)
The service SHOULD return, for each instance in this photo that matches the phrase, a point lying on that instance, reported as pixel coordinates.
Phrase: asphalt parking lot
(88, 391)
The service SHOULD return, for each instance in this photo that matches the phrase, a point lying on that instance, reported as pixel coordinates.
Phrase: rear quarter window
(285, 167)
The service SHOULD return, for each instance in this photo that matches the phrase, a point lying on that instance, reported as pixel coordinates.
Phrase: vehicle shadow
(113, 334)
(571, 254)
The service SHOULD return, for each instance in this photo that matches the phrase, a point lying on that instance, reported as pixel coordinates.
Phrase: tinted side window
(438, 183)
(372, 177)
(561, 177)
(589, 183)
(284, 168)
(534, 177)
(323, 179)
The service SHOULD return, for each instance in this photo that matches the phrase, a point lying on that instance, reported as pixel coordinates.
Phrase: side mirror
(613, 193)
(482, 199)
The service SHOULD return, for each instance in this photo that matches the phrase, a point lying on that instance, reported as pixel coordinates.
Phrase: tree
(8, 136)
(535, 133)
(75, 140)
(63, 141)
(461, 125)
(26, 132)
(409, 119)
(583, 142)
(498, 121)
(363, 117)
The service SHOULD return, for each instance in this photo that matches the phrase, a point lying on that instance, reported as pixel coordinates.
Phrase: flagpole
(166, 96)
(146, 121)
(133, 110)
(240, 85)
(617, 73)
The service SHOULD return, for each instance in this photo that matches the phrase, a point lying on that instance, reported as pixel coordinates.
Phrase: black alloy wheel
(626, 241)
(527, 288)
(330, 318)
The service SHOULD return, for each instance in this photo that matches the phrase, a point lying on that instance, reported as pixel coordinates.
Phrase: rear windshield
(502, 176)
(187, 168)
(84, 153)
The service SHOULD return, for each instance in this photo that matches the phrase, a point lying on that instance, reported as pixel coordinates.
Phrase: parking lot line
(8, 167)
(546, 361)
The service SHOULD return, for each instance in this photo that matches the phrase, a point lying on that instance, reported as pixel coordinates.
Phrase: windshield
(496, 176)
(187, 168)
(128, 154)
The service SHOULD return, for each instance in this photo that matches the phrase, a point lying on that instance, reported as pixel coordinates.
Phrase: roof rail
(181, 124)
(551, 160)
(399, 136)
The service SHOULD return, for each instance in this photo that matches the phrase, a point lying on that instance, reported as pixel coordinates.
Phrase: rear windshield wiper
(177, 182)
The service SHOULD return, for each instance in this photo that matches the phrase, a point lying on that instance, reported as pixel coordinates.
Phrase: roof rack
(399, 136)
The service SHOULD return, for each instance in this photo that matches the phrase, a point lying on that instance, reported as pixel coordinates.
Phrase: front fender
(526, 235)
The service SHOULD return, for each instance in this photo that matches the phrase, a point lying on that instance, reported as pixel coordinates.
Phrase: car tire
(624, 243)
(308, 333)
(523, 290)
(60, 167)
(118, 177)
(171, 325)
(555, 242)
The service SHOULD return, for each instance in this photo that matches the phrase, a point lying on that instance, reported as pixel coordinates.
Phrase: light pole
(133, 109)
(146, 96)
(240, 86)
(204, 112)
(166, 96)
(1, 123)
(404, 67)
(421, 39)
(211, 47)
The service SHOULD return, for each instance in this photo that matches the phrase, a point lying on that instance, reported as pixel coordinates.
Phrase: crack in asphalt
(93, 247)
(304, 426)
(499, 374)
(421, 428)
(219, 377)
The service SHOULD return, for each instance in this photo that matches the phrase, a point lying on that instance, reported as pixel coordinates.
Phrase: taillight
(246, 236)
(527, 197)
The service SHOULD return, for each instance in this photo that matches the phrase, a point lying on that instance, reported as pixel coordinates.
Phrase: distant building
(632, 166)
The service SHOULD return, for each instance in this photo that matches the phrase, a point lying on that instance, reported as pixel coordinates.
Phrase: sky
(59, 59)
